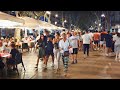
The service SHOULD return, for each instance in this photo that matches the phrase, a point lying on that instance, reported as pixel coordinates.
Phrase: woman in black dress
(41, 47)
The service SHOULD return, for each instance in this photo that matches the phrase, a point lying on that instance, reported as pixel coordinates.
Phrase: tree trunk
(17, 34)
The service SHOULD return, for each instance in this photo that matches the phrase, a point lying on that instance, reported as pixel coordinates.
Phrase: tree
(33, 14)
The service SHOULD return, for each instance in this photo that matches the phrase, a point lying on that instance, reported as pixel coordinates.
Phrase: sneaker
(14, 69)
(41, 59)
(84, 56)
(65, 70)
(72, 62)
(58, 69)
(36, 66)
(98, 49)
(45, 67)
(52, 65)
(75, 61)
(106, 54)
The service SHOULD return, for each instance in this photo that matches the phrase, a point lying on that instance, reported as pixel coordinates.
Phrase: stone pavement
(96, 66)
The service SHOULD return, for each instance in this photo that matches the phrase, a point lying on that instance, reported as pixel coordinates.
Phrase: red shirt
(96, 36)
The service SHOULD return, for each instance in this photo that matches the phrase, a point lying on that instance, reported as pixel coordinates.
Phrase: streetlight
(55, 23)
(49, 13)
(56, 15)
(103, 15)
(65, 21)
(99, 24)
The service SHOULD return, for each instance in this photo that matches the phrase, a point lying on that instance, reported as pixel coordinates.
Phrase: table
(4, 57)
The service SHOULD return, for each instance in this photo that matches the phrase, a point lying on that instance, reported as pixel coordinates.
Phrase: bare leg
(72, 58)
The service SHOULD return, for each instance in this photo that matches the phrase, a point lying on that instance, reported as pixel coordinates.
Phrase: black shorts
(48, 53)
(75, 51)
(96, 42)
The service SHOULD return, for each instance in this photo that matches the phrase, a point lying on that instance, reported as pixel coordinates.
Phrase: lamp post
(56, 15)
(55, 23)
(103, 21)
(47, 13)
(64, 23)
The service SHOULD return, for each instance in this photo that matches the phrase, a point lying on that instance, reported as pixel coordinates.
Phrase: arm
(60, 46)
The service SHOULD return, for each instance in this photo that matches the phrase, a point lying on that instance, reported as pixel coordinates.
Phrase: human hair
(96, 31)
(86, 31)
(57, 33)
(13, 45)
(108, 32)
(118, 34)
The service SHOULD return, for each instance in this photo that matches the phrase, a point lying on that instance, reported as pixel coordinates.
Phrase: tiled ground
(96, 66)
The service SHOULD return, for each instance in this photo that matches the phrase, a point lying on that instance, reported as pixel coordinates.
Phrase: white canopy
(30, 22)
(7, 20)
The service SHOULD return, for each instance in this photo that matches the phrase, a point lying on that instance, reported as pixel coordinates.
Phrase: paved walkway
(96, 66)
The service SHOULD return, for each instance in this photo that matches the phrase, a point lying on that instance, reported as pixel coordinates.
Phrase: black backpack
(2, 65)
(18, 57)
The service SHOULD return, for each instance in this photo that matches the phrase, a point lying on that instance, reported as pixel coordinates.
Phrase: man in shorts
(96, 37)
(102, 40)
(74, 42)
(49, 51)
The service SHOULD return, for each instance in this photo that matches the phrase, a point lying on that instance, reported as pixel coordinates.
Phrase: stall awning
(7, 20)
(30, 22)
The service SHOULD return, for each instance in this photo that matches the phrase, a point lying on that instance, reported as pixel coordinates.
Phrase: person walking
(56, 49)
(41, 46)
(49, 51)
(96, 37)
(86, 43)
(108, 40)
(74, 43)
(64, 46)
(116, 39)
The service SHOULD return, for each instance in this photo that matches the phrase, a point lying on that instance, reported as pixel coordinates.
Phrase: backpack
(18, 57)
(2, 65)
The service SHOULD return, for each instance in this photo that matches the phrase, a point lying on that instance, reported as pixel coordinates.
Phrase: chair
(25, 46)
(18, 60)
(2, 65)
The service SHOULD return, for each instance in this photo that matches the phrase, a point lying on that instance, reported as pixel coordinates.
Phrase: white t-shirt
(5, 43)
(86, 39)
(91, 35)
(2, 48)
(74, 41)
(64, 45)
(116, 39)
(9, 43)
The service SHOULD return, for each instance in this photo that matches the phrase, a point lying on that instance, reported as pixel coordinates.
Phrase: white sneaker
(84, 56)
(52, 65)
(44, 66)
(106, 54)
(98, 49)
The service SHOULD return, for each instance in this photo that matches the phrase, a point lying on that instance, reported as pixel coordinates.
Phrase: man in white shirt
(74, 42)
(64, 46)
(86, 42)
(91, 35)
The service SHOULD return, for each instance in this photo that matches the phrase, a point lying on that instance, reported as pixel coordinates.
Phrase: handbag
(66, 54)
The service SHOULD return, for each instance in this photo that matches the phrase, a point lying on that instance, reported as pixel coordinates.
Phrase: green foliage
(33, 14)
